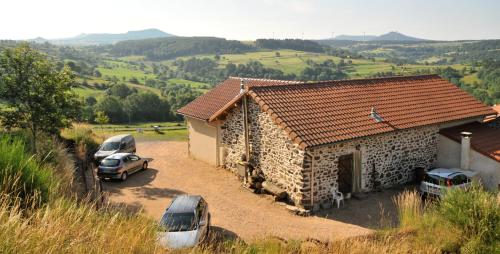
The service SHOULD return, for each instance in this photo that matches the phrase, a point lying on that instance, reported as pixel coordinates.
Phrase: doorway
(345, 173)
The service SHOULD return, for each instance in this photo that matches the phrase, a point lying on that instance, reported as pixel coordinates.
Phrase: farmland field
(169, 131)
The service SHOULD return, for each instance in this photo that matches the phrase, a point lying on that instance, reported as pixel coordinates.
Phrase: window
(110, 146)
(133, 158)
(459, 179)
(434, 179)
(110, 162)
(175, 222)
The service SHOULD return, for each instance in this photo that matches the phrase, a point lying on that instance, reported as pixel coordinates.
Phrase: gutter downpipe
(312, 178)
(243, 90)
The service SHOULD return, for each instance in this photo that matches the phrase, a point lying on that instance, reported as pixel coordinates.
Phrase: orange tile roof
(326, 112)
(485, 139)
(497, 109)
(223, 96)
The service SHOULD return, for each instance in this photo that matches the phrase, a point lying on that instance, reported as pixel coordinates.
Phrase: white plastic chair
(337, 196)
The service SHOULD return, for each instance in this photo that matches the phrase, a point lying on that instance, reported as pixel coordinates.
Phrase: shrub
(477, 213)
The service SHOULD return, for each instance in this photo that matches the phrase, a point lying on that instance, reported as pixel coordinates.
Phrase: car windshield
(110, 146)
(175, 222)
(110, 162)
(434, 179)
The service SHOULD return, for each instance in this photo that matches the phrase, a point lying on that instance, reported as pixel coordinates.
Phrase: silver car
(120, 166)
(438, 180)
(117, 144)
(185, 223)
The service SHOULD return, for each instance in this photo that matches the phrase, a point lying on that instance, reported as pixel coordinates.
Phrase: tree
(101, 118)
(90, 101)
(133, 80)
(37, 96)
(113, 108)
(120, 90)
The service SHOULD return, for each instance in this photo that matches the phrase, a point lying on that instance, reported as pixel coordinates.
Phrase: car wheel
(423, 196)
(145, 165)
(124, 176)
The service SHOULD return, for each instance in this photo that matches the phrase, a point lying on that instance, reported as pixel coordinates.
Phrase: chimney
(465, 153)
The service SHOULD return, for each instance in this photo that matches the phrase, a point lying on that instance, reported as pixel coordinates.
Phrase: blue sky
(251, 19)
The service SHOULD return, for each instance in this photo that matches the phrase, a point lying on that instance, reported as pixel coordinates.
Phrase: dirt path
(233, 209)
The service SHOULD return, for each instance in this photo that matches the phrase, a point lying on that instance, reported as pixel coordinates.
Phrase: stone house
(357, 135)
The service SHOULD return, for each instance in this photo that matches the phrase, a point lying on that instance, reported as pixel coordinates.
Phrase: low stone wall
(387, 158)
(280, 160)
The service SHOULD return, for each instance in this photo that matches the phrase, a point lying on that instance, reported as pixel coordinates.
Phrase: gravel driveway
(234, 209)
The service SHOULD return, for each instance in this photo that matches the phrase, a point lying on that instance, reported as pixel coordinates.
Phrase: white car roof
(447, 172)
(117, 138)
(117, 155)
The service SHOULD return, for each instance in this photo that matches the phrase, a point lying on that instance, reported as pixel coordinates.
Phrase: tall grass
(82, 135)
(37, 216)
(22, 176)
(410, 209)
(477, 214)
(65, 226)
(463, 220)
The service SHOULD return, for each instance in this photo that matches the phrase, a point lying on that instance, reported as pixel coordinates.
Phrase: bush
(477, 213)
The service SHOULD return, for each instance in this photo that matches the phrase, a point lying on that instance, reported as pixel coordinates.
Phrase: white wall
(202, 141)
(449, 157)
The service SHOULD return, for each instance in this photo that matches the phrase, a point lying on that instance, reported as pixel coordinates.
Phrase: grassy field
(292, 61)
(471, 78)
(288, 61)
(124, 71)
(169, 131)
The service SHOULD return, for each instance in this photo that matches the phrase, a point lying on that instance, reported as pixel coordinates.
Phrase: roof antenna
(376, 116)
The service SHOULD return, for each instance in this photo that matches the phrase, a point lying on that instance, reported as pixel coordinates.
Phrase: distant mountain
(356, 37)
(391, 36)
(395, 36)
(101, 39)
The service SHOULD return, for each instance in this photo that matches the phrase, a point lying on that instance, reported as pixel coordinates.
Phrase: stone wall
(280, 160)
(389, 159)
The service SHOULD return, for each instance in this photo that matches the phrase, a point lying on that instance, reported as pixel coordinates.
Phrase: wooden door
(345, 173)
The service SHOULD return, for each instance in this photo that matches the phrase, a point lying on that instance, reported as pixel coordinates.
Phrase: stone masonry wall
(390, 157)
(280, 160)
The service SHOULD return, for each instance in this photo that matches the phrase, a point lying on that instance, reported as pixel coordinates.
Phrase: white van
(116, 144)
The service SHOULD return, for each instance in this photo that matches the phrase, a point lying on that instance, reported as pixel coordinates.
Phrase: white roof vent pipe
(376, 116)
(465, 151)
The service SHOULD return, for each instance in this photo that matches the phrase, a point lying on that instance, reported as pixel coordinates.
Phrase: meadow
(168, 131)
(289, 61)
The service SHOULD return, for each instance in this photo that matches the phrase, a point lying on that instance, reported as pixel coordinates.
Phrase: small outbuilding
(473, 146)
